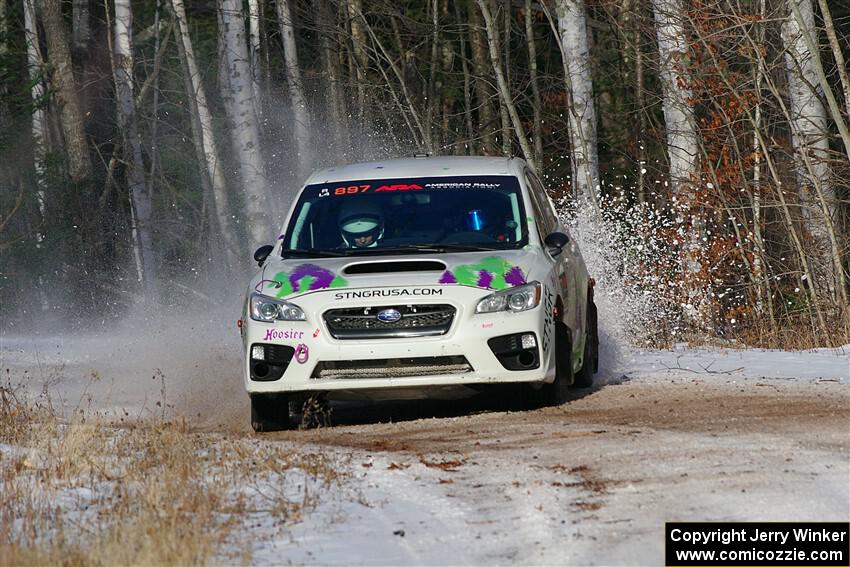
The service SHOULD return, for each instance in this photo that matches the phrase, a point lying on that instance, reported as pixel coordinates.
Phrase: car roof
(441, 166)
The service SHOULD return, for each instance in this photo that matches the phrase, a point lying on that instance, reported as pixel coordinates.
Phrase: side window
(544, 215)
(545, 203)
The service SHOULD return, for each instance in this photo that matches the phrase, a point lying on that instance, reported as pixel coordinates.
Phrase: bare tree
(837, 53)
(360, 59)
(504, 90)
(34, 64)
(245, 133)
(810, 136)
(81, 31)
(65, 89)
(300, 113)
(140, 194)
(333, 75)
(682, 143)
(572, 28)
(481, 71)
(205, 144)
(254, 46)
(537, 127)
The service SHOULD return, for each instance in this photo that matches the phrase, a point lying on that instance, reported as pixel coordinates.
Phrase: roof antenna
(421, 155)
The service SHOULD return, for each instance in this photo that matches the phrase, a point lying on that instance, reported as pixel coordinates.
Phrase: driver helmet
(476, 220)
(361, 224)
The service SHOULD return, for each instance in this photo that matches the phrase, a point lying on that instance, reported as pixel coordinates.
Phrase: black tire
(590, 358)
(271, 412)
(557, 393)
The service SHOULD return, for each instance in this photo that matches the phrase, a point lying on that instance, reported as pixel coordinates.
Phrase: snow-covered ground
(815, 364)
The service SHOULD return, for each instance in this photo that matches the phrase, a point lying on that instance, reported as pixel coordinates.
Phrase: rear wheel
(590, 358)
(271, 412)
(557, 392)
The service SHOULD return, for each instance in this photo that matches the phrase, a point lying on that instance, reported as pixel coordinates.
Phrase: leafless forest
(147, 147)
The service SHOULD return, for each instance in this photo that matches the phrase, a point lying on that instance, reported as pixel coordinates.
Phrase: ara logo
(388, 315)
(324, 192)
(399, 187)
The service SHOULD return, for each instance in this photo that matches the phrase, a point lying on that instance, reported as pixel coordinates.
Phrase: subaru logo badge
(389, 315)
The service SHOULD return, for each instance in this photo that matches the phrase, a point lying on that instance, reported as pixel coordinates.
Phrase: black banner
(814, 544)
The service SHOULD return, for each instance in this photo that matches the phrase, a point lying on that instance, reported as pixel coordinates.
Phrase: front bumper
(315, 356)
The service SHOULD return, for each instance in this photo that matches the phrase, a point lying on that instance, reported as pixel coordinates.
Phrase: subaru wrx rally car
(414, 278)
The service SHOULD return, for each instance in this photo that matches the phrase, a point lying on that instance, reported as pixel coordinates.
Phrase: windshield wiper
(451, 247)
(417, 248)
(312, 253)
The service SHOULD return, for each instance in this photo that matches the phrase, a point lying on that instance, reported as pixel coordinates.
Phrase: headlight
(519, 298)
(267, 309)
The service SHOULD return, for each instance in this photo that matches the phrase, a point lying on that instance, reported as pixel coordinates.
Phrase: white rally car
(414, 278)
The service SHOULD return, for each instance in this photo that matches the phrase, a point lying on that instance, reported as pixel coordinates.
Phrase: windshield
(407, 215)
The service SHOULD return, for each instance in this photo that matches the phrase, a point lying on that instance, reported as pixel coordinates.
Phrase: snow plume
(629, 253)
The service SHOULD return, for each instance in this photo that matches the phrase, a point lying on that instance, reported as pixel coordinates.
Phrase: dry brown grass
(154, 492)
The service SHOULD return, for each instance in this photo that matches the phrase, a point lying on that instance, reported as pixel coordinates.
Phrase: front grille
(363, 322)
(391, 367)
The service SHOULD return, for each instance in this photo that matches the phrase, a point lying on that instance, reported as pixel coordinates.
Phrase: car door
(566, 263)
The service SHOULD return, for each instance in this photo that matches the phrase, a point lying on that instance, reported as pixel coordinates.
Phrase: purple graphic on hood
(320, 278)
(485, 278)
(448, 278)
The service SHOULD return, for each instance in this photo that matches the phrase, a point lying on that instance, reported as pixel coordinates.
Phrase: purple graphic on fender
(492, 272)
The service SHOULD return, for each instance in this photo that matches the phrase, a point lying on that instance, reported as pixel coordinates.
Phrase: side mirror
(555, 242)
(262, 253)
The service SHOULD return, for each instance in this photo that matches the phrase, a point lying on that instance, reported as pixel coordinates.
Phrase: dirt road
(593, 482)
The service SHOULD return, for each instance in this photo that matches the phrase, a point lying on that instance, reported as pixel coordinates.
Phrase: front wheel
(557, 393)
(271, 412)
(590, 358)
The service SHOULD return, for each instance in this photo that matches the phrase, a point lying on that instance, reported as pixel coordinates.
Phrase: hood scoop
(394, 266)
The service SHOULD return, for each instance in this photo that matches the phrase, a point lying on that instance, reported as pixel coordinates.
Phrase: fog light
(528, 341)
(258, 352)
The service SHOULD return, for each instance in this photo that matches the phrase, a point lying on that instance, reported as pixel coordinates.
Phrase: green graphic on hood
(306, 277)
(493, 272)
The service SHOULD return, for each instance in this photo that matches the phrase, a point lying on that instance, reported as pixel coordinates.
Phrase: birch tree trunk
(65, 88)
(245, 133)
(682, 146)
(810, 137)
(507, 99)
(572, 31)
(682, 150)
(34, 64)
(300, 113)
(205, 144)
(140, 194)
(254, 51)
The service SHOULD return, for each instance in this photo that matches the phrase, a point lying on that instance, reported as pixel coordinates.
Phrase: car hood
(490, 270)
